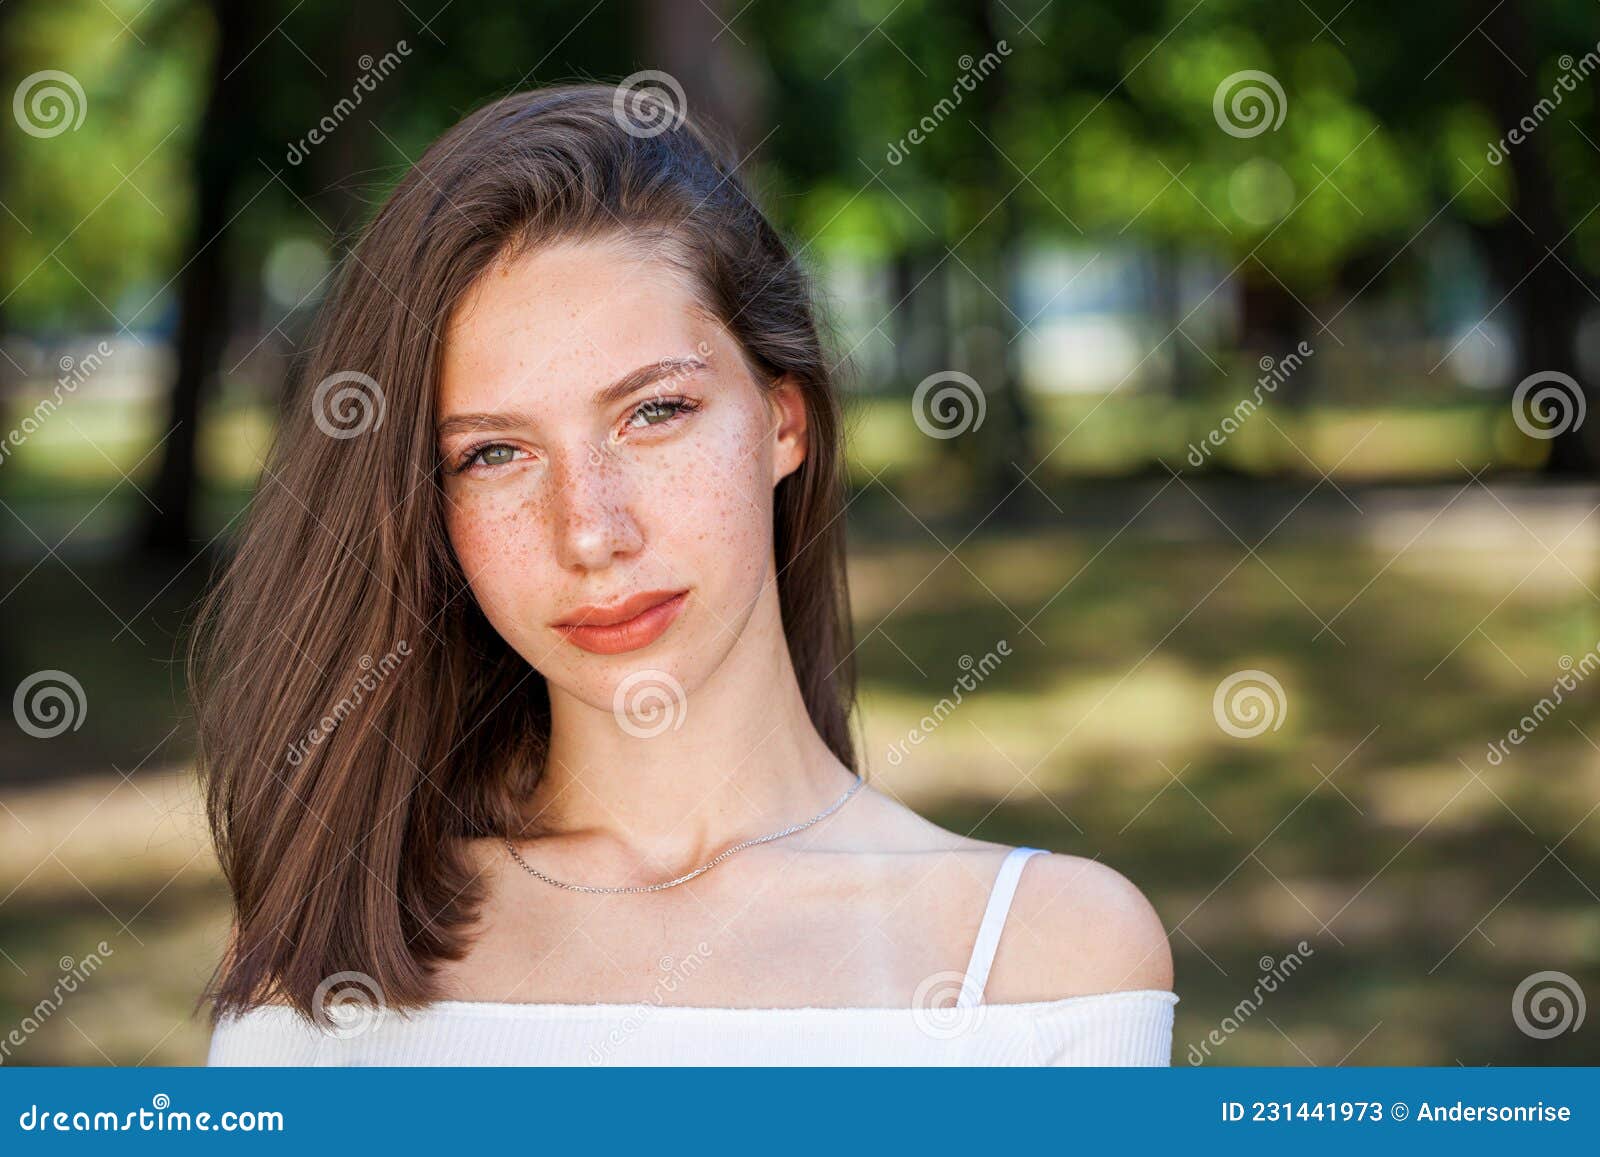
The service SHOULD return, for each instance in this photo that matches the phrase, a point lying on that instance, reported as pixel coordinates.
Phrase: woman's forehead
(566, 318)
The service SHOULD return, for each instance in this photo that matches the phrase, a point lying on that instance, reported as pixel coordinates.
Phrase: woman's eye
(658, 411)
(495, 454)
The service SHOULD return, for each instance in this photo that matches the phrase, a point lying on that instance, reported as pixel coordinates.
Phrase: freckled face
(601, 437)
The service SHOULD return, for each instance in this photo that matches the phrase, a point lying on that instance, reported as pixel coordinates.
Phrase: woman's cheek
(494, 536)
(720, 501)
(733, 511)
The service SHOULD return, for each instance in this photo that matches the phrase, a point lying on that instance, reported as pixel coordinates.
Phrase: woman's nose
(595, 522)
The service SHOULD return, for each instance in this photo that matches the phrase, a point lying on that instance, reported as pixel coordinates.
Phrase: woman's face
(608, 456)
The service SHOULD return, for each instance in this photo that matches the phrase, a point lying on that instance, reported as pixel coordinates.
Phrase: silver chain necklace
(703, 868)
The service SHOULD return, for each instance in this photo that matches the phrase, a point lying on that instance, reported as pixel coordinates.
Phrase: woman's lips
(640, 631)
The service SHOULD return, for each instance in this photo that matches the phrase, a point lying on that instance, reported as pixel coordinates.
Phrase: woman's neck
(675, 774)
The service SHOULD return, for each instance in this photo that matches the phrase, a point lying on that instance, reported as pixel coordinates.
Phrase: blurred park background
(1221, 357)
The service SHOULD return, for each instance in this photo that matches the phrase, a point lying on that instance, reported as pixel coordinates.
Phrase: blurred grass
(1418, 873)
(1109, 434)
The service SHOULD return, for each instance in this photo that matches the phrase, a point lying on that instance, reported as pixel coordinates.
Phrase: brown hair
(357, 714)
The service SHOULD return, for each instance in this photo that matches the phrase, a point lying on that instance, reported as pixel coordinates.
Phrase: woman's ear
(786, 402)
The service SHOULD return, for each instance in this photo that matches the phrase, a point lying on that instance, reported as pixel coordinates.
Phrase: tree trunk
(697, 43)
(1006, 455)
(222, 153)
(1528, 248)
(369, 29)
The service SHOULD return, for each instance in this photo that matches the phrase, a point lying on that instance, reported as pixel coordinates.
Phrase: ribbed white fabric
(1117, 1028)
(1132, 1027)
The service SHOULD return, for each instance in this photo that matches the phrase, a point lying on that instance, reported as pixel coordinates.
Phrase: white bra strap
(994, 922)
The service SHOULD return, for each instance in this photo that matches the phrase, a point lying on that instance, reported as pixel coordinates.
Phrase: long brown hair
(357, 714)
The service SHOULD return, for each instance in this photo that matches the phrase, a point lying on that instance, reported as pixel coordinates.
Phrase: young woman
(524, 705)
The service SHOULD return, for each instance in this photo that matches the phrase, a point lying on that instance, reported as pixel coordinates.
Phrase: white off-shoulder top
(1131, 1027)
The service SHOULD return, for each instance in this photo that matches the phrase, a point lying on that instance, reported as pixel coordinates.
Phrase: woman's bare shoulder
(1076, 927)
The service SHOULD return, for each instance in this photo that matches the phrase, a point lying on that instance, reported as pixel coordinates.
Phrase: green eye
(659, 411)
(654, 412)
(494, 454)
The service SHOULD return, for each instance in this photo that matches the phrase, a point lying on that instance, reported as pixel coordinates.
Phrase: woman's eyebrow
(645, 376)
(492, 422)
(628, 383)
